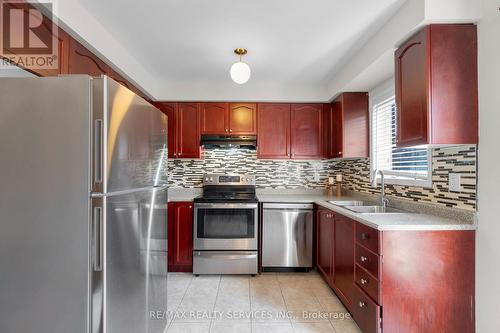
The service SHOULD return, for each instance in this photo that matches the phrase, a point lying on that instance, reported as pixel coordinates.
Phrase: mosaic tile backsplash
(279, 174)
(458, 159)
(289, 174)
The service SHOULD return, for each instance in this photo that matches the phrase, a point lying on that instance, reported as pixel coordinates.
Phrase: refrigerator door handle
(97, 239)
(98, 150)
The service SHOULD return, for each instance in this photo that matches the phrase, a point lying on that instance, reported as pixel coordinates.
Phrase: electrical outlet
(454, 182)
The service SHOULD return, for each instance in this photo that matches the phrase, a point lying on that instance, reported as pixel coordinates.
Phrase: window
(403, 166)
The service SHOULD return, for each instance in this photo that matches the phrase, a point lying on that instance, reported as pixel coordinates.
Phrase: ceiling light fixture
(240, 71)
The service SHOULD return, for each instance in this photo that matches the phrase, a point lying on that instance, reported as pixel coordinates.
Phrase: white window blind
(397, 163)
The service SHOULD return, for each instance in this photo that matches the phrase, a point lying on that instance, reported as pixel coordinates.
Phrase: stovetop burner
(228, 188)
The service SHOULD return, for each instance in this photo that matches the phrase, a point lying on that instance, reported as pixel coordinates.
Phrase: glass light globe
(240, 72)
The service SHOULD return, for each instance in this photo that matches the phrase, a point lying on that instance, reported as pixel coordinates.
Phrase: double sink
(363, 207)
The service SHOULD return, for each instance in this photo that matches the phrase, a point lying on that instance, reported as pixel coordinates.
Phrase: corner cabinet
(289, 131)
(347, 126)
(436, 86)
(183, 129)
(229, 118)
(180, 236)
(399, 272)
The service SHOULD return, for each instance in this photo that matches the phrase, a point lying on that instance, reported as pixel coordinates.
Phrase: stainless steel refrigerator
(83, 197)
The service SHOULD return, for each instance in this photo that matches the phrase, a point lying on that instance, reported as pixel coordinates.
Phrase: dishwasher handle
(284, 206)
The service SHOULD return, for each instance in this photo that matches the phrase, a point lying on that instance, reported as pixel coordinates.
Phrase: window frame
(379, 94)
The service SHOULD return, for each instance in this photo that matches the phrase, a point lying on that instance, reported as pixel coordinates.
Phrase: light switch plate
(454, 182)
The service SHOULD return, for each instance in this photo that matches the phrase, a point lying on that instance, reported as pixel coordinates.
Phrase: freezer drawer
(225, 262)
(287, 235)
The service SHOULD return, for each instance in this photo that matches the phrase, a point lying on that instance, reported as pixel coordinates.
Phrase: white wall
(488, 234)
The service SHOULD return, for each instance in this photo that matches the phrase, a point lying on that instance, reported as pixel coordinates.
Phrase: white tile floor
(271, 302)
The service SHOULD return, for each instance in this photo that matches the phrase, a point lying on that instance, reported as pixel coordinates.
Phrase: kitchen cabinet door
(343, 257)
(324, 252)
(306, 131)
(327, 129)
(337, 131)
(273, 131)
(436, 86)
(170, 109)
(214, 118)
(355, 125)
(411, 90)
(182, 237)
(243, 118)
(82, 61)
(188, 137)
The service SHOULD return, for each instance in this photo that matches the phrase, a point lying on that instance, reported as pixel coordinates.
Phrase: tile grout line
(284, 301)
(177, 307)
(215, 302)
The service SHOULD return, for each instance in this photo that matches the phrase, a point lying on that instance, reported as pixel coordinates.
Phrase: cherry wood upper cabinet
(170, 109)
(349, 126)
(243, 118)
(306, 131)
(273, 131)
(436, 86)
(188, 137)
(83, 61)
(180, 236)
(214, 118)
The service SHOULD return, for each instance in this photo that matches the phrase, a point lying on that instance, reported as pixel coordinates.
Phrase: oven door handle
(226, 205)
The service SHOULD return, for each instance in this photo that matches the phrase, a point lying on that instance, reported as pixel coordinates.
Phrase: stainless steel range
(226, 226)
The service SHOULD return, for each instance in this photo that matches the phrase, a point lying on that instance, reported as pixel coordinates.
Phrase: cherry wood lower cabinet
(399, 281)
(180, 236)
(324, 244)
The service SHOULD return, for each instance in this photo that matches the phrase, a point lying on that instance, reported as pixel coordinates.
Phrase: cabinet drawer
(368, 260)
(368, 237)
(366, 312)
(368, 283)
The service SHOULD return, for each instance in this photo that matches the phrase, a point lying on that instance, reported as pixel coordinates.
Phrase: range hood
(229, 141)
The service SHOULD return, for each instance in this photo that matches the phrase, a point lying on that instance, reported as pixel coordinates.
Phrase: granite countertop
(417, 216)
(176, 194)
(430, 217)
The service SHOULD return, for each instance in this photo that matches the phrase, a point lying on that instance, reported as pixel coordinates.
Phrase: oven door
(225, 226)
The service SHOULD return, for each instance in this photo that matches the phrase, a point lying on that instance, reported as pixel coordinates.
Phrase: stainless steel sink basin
(373, 209)
(348, 203)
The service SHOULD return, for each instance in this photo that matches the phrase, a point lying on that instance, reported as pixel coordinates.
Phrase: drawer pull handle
(364, 259)
(365, 236)
(362, 304)
(364, 281)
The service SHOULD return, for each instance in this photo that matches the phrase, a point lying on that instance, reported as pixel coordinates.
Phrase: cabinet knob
(293, 154)
(340, 153)
(362, 304)
(190, 206)
(230, 130)
(364, 259)
(226, 129)
(364, 281)
(365, 236)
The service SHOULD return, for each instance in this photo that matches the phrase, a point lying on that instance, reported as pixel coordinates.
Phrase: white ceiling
(295, 47)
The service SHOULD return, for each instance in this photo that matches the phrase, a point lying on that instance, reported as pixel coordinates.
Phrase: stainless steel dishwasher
(287, 236)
